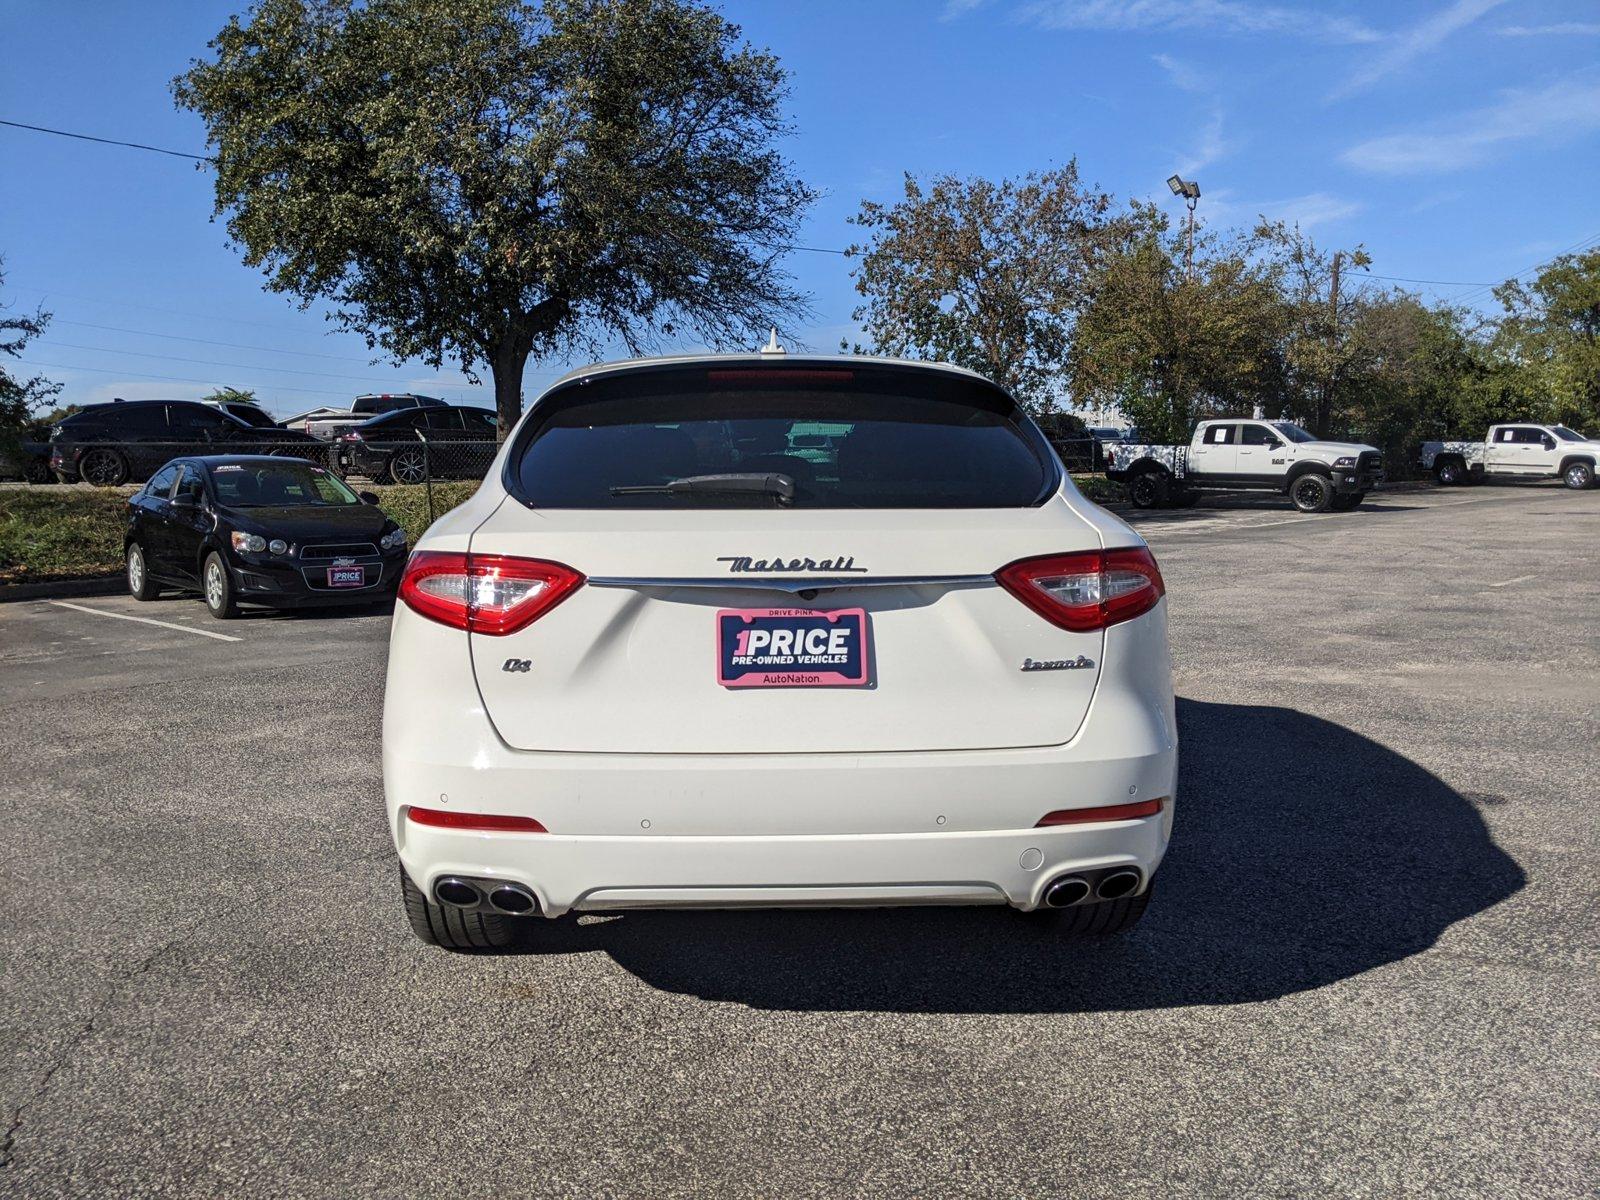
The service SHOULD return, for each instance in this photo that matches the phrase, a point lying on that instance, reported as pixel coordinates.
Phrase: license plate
(346, 577)
(791, 647)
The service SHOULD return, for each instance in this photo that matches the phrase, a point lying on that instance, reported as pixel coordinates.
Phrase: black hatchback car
(448, 442)
(124, 441)
(255, 529)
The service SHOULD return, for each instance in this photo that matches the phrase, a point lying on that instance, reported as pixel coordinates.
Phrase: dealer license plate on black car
(346, 576)
(791, 647)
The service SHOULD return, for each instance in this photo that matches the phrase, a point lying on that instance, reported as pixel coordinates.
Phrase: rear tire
(1106, 918)
(408, 466)
(1148, 489)
(1312, 493)
(453, 929)
(1578, 476)
(103, 468)
(1450, 472)
(140, 586)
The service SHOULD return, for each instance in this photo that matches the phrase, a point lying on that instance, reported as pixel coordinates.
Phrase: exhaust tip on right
(1066, 892)
(517, 901)
(1117, 884)
(457, 893)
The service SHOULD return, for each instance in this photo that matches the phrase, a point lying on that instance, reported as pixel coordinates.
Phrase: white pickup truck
(1236, 454)
(1522, 451)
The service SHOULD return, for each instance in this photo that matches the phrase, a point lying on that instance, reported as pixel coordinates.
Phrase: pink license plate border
(812, 679)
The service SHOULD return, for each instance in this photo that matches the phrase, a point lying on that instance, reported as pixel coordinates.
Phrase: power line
(85, 137)
(1439, 282)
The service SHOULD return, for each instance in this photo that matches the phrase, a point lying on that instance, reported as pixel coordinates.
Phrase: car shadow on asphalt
(1303, 854)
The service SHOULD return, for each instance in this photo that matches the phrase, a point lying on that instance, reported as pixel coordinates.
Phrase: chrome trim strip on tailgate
(819, 584)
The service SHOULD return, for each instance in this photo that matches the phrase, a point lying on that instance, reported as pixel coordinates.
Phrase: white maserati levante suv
(769, 630)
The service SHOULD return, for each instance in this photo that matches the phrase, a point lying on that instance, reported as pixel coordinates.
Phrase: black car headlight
(249, 543)
(393, 540)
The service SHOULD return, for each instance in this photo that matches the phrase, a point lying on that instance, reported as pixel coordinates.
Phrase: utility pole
(1325, 409)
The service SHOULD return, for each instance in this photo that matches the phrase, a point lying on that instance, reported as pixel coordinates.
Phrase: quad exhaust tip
(457, 893)
(1116, 884)
(1066, 891)
(514, 899)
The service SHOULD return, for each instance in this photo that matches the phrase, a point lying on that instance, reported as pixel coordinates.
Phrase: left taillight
(493, 594)
(1087, 591)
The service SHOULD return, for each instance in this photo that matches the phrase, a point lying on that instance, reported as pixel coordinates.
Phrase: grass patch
(52, 533)
(1100, 489)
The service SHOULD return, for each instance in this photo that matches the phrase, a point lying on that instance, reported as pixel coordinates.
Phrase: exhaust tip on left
(457, 893)
(1066, 891)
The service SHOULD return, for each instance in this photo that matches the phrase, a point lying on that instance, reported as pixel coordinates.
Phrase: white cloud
(1181, 73)
(1212, 145)
(1559, 29)
(1307, 211)
(956, 9)
(1216, 16)
(1406, 46)
(1561, 112)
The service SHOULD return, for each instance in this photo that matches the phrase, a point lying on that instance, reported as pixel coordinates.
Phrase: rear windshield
(846, 437)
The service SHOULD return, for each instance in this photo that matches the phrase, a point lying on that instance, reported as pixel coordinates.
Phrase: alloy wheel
(102, 468)
(408, 467)
(214, 584)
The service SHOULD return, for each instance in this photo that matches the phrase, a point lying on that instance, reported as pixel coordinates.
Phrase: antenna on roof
(772, 346)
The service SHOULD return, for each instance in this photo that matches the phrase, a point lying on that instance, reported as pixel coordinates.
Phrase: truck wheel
(1312, 493)
(1104, 919)
(453, 930)
(1148, 489)
(1449, 473)
(1578, 476)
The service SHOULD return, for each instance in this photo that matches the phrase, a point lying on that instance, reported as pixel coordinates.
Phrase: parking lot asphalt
(1370, 967)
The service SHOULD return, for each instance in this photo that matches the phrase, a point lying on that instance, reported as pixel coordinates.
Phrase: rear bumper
(603, 874)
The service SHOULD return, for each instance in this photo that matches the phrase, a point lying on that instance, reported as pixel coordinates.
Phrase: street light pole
(1190, 191)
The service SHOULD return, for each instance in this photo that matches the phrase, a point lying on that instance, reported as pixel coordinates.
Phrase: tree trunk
(506, 365)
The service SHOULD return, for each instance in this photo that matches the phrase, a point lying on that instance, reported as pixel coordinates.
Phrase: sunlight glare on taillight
(492, 594)
(1086, 591)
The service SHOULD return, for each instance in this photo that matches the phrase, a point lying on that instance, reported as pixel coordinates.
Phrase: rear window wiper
(770, 483)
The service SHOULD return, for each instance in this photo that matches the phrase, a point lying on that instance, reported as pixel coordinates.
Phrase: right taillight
(493, 594)
(1086, 591)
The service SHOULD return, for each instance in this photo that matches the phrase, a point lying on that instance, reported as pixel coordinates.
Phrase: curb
(99, 585)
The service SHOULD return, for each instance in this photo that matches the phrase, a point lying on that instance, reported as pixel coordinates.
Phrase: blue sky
(1458, 140)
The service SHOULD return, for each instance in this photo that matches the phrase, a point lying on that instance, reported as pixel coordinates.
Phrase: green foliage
(1168, 349)
(985, 275)
(19, 395)
(230, 395)
(487, 179)
(1551, 332)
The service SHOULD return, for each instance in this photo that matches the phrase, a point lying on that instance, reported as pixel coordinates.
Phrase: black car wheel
(37, 472)
(1147, 490)
(408, 466)
(218, 588)
(1312, 493)
(103, 468)
(140, 586)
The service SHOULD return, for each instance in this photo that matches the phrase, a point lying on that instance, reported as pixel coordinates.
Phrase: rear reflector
(493, 594)
(441, 819)
(1106, 812)
(1088, 591)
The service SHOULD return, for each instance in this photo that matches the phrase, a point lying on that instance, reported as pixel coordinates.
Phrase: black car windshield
(1565, 434)
(814, 436)
(1292, 431)
(279, 485)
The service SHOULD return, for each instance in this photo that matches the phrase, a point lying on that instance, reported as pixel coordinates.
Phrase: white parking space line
(100, 612)
(1518, 579)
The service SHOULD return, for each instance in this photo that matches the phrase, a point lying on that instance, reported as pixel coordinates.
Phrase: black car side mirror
(367, 497)
(183, 500)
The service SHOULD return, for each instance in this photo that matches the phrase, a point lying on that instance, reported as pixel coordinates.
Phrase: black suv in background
(455, 441)
(125, 441)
